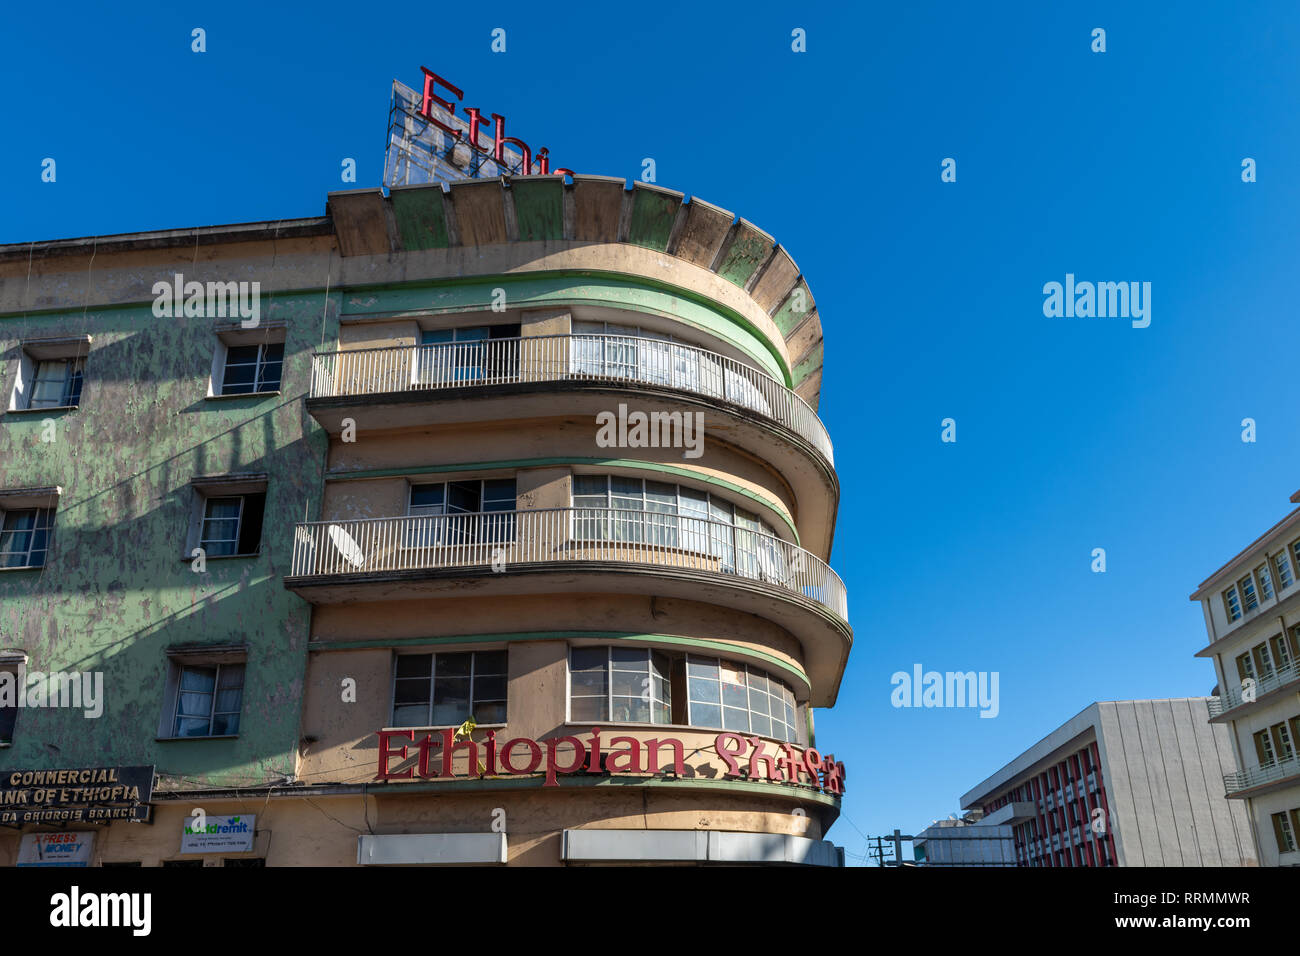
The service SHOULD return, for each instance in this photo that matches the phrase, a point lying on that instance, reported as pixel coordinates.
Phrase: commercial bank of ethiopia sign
(93, 794)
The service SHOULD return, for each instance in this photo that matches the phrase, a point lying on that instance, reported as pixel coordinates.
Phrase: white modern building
(1122, 783)
(1252, 617)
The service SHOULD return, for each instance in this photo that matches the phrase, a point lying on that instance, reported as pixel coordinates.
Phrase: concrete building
(965, 841)
(1252, 617)
(1123, 783)
(497, 535)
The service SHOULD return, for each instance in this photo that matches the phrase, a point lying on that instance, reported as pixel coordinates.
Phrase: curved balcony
(615, 359)
(504, 540)
(581, 550)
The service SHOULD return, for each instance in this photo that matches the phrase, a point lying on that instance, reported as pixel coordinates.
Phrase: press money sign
(93, 794)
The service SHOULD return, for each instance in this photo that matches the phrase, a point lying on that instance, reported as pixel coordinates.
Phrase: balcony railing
(1269, 773)
(502, 539)
(557, 358)
(1231, 697)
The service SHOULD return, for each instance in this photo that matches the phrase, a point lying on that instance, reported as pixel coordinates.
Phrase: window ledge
(40, 411)
(447, 727)
(217, 398)
(170, 740)
(26, 567)
(641, 725)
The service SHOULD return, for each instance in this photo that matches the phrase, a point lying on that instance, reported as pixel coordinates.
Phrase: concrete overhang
(823, 636)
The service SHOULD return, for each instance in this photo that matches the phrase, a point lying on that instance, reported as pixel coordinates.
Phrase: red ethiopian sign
(745, 757)
(430, 97)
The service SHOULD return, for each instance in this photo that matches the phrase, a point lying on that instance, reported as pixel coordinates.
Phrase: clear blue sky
(1072, 433)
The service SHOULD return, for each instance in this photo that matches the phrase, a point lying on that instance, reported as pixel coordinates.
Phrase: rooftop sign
(429, 143)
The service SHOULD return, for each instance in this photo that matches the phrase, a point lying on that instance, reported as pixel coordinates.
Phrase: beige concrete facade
(742, 581)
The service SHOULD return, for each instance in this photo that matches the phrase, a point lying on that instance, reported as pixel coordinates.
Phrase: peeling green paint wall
(115, 590)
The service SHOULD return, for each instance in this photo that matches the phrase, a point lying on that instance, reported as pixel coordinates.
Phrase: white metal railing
(1268, 773)
(501, 539)
(1231, 697)
(553, 358)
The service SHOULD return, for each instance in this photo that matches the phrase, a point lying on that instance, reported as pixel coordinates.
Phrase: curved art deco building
(578, 492)
(486, 524)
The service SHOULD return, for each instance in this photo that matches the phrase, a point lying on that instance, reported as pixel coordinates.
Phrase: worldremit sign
(81, 795)
(744, 756)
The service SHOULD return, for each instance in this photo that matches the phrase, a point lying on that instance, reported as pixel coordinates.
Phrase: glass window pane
(629, 658)
(414, 665)
(589, 708)
(590, 485)
(703, 690)
(631, 708)
(426, 495)
(416, 715)
(452, 665)
(489, 662)
(190, 727)
(761, 725)
(705, 715)
(198, 678)
(702, 667)
(586, 683)
(225, 724)
(630, 684)
(489, 688)
(490, 713)
(734, 718)
(588, 658)
(412, 690)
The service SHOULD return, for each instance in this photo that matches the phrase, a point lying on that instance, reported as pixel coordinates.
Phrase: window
(1281, 644)
(461, 511)
(1245, 666)
(1264, 748)
(1265, 581)
(1232, 604)
(1247, 586)
(1282, 737)
(25, 537)
(1285, 574)
(254, 861)
(645, 685)
(232, 525)
(623, 684)
(467, 355)
(614, 508)
(1284, 830)
(57, 383)
(445, 690)
(208, 700)
(739, 697)
(252, 368)
(50, 372)
(9, 713)
(1265, 660)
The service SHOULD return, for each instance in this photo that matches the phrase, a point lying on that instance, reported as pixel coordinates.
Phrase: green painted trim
(539, 209)
(542, 462)
(720, 647)
(653, 215)
(553, 289)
